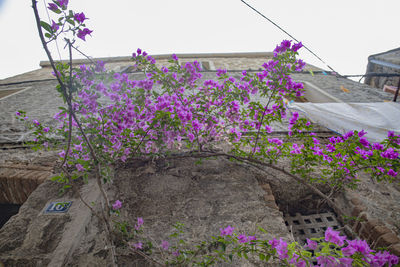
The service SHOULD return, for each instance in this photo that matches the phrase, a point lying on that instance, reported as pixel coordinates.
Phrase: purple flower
(252, 238)
(348, 134)
(390, 134)
(18, 113)
(82, 33)
(117, 205)
(364, 142)
(62, 154)
(176, 253)
(242, 239)
(311, 244)
(392, 173)
(362, 133)
(52, 7)
(46, 129)
(327, 261)
(80, 17)
(54, 26)
(36, 122)
(62, 3)
(220, 72)
(356, 246)
(227, 231)
(377, 146)
(389, 154)
(135, 246)
(280, 246)
(296, 47)
(334, 237)
(78, 147)
(174, 57)
(165, 245)
(139, 223)
(268, 129)
(79, 167)
(139, 51)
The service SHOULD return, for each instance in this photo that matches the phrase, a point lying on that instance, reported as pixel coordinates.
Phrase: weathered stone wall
(205, 197)
(380, 82)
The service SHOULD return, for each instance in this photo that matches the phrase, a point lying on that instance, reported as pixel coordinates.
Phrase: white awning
(375, 118)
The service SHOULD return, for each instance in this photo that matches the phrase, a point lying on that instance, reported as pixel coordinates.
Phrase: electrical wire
(291, 36)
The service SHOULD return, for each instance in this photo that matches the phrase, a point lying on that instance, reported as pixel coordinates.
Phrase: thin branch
(148, 258)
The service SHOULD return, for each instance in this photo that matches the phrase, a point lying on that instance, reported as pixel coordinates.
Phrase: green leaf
(262, 230)
(70, 21)
(57, 11)
(48, 35)
(46, 26)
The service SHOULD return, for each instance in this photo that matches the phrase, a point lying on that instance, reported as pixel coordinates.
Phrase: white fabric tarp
(375, 118)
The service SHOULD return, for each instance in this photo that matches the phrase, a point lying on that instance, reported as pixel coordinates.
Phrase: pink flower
(79, 167)
(311, 244)
(227, 231)
(242, 239)
(62, 154)
(176, 253)
(117, 205)
(78, 147)
(165, 245)
(135, 246)
(333, 236)
(139, 223)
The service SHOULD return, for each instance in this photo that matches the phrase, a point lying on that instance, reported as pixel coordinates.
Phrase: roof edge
(46, 63)
(382, 53)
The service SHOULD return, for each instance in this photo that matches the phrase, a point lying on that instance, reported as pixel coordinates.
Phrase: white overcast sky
(342, 32)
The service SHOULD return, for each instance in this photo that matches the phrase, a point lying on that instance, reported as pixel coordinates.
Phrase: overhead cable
(291, 36)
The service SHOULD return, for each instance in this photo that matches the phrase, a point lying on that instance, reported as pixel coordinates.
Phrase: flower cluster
(67, 21)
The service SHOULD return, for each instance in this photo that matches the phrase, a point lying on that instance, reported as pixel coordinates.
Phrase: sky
(342, 32)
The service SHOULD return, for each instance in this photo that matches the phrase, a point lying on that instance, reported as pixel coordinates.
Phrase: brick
(267, 188)
(371, 224)
(379, 231)
(356, 201)
(359, 227)
(272, 205)
(387, 240)
(395, 249)
(269, 198)
(357, 210)
(364, 232)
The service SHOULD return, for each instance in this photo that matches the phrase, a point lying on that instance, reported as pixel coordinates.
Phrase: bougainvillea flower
(80, 17)
(82, 33)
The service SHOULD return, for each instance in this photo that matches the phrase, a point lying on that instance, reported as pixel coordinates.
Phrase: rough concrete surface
(205, 197)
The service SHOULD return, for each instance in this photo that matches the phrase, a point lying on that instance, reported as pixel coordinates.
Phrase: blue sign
(58, 207)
